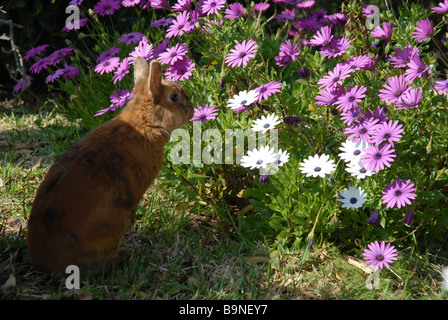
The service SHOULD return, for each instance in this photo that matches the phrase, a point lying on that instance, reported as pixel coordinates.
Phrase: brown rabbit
(88, 199)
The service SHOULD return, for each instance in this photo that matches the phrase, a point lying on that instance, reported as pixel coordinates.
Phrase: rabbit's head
(164, 103)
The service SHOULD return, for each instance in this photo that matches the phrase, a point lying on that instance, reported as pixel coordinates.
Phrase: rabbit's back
(88, 199)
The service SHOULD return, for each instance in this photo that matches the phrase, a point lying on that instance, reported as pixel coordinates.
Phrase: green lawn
(181, 254)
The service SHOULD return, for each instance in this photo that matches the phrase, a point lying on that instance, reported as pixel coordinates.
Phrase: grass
(179, 254)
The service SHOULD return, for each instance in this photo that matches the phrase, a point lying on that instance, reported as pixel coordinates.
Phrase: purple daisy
(180, 70)
(117, 99)
(75, 25)
(23, 84)
(129, 3)
(329, 96)
(212, 6)
(410, 99)
(43, 63)
(160, 48)
(442, 86)
(351, 116)
(35, 51)
(268, 89)
(403, 56)
(288, 52)
(379, 255)
(351, 98)
(384, 32)
(109, 53)
(416, 69)
(182, 5)
(379, 115)
(163, 22)
(159, 4)
(132, 37)
(107, 66)
(408, 217)
(143, 49)
(241, 54)
(376, 157)
(334, 77)
(423, 30)
(234, 11)
(388, 131)
(173, 54)
(356, 63)
(261, 6)
(106, 7)
(58, 55)
(392, 91)
(362, 130)
(322, 37)
(52, 77)
(122, 70)
(398, 193)
(337, 47)
(180, 25)
(442, 8)
(205, 113)
(69, 71)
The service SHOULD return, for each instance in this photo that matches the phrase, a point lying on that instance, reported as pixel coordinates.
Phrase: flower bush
(361, 114)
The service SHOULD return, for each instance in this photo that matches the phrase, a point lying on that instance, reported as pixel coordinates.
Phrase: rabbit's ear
(155, 78)
(141, 69)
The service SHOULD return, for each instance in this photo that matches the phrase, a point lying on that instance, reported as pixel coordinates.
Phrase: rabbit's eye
(174, 97)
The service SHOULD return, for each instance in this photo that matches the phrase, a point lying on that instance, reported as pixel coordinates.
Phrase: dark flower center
(259, 162)
(377, 155)
(335, 79)
(107, 7)
(398, 193)
(351, 99)
(244, 102)
(387, 135)
(357, 152)
(262, 89)
(180, 27)
(173, 54)
(363, 170)
(420, 69)
(242, 54)
(266, 126)
(380, 257)
(353, 200)
(317, 169)
(363, 131)
(397, 93)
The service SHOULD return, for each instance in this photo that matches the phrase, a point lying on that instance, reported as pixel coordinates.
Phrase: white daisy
(242, 100)
(258, 158)
(352, 198)
(352, 150)
(281, 157)
(356, 169)
(265, 123)
(318, 166)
